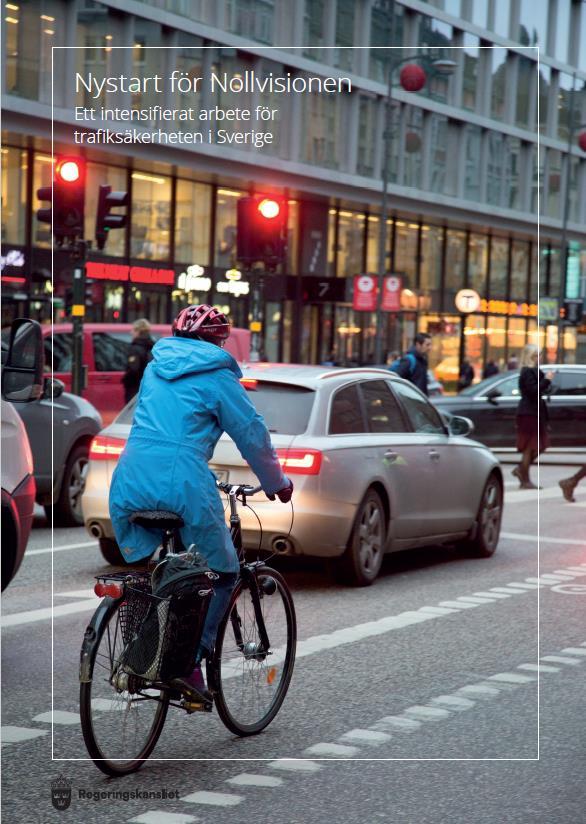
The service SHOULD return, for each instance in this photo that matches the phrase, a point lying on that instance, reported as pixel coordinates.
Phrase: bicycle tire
(235, 674)
(96, 715)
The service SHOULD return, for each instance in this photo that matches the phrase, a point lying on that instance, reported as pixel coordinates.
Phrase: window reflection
(322, 129)
(343, 55)
(499, 72)
(472, 138)
(350, 244)
(151, 216)
(192, 222)
(478, 264)
(251, 18)
(14, 172)
(519, 269)
(406, 235)
(470, 54)
(525, 114)
(499, 262)
(380, 36)
(226, 209)
(313, 28)
(455, 260)
(431, 262)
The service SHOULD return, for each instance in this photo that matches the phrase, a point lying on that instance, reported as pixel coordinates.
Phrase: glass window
(562, 31)
(479, 12)
(566, 91)
(274, 102)
(252, 19)
(421, 413)
(292, 237)
(116, 177)
(478, 264)
(553, 183)
(367, 134)
(472, 141)
(98, 30)
(412, 158)
(193, 212)
(431, 261)
(439, 148)
(511, 181)
(455, 260)
(500, 24)
(555, 272)
(495, 171)
(499, 79)
(437, 38)
(226, 218)
(313, 28)
(146, 63)
(321, 129)
(14, 170)
(533, 275)
(60, 347)
(544, 85)
(582, 38)
(189, 62)
(380, 38)
(406, 252)
(285, 408)
(332, 219)
(372, 241)
(346, 412)
(42, 176)
(470, 54)
(519, 269)
(533, 24)
(350, 244)
(510, 386)
(570, 383)
(576, 170)
(382, 410)
(499, 260)
(516, 334)
(537, 178)
(344, 53)
(496, 338)
(151, 216)
(524, 118)
(232, 64)
(111, 351)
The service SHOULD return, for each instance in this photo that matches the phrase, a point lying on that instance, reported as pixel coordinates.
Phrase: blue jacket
(190, 394)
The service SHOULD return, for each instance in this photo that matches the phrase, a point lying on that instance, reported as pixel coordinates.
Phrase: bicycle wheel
(250, 683)
(120, 728)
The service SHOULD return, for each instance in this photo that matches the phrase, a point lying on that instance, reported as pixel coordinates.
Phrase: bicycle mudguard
(101, 614)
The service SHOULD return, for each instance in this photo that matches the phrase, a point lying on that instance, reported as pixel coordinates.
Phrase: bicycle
(248, 672)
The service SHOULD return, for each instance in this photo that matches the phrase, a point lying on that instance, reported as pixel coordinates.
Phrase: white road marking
(426, 713)
(574, 651)
(478, 690)
(525, 585)
(438, 610)
(46, 550)
(294, 765)
(509, 589)
(496, 595)
(78, 593)
(365, 737)
(517, 536)
(13, 735)
(559, 659)
(556, 578)
(452, 702)
(397, 722)
(254, 780)
(159, 817)
(458, 604)
(43, 614)
(58, 717)
(511, 678)
(213, 799)
(538, 668)
(333, 750)
(474, 599)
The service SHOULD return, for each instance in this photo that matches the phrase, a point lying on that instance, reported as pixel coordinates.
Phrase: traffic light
(67, 196)
(262, 230)
(108, 200)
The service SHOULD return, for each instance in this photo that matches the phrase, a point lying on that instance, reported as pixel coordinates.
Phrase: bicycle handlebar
(242, 489)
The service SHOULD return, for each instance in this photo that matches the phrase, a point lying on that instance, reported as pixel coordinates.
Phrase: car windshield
(284, 407)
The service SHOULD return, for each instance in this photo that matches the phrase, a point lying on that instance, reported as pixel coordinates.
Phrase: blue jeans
(223, 588)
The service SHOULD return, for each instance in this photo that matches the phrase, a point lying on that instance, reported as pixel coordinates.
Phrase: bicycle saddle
(156, 519)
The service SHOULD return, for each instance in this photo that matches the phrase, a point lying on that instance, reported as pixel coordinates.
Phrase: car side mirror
(53, 388)
(492, 395)
(459, 425)
(22, 375)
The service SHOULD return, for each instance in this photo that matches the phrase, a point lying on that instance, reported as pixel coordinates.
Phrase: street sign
(548, 311)
(467, 300)
(391, 301)
(364, 298)
(572, 311)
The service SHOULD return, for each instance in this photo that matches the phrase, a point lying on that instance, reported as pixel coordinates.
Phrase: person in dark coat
(413, 365)
(489, 370)
(466, 375)
(139, 355)
(532, 438)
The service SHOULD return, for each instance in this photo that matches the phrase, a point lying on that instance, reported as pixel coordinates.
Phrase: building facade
(475, 158)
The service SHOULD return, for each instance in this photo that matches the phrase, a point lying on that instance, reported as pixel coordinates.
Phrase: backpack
(394, 367)
(164, 643)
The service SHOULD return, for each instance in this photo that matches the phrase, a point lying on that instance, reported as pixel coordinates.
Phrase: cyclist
(189, 395)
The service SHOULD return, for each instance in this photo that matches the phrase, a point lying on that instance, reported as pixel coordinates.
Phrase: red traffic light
(68, 170)
(269, 209)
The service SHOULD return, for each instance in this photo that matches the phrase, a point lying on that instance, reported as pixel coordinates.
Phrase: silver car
(374, 466)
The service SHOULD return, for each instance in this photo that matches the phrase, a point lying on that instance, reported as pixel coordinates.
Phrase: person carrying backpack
(190, 394)
(413, 365)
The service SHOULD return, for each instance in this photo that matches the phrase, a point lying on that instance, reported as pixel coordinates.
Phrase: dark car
(492, 406)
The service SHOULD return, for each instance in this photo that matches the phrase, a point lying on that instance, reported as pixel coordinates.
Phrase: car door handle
(434, 455)
(390, 456)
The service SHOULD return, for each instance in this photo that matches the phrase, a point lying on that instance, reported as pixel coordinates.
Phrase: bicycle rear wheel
(250, 683)
(120, 727)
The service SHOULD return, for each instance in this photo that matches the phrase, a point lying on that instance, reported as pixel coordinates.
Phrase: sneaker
(567, 486)
(194, 687)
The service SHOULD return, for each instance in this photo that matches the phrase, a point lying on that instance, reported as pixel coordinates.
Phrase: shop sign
(193, 280)
(573, 270)
(572, 311)
(508, 307)
(548, 310)
(467, 300)
(234, 285)
(135, 274)
(364, 298)
(391, 301)
(12, 258)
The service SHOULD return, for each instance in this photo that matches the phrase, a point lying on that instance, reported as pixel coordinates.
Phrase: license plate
(223, 475)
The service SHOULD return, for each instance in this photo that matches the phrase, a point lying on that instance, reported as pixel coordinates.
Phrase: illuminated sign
(193, 280)
(134, 274)
(467, 300)
(233, 287)
(508, 307)
(12, 258)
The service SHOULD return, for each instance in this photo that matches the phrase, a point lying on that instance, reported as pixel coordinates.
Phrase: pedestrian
(413, 365)
(569, 484)
(532, 438)
(466, 375)
(139, 355)
(513, 363)
(489, 370)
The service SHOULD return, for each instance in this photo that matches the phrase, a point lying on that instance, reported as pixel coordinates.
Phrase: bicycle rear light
(104, 448)
(112, 590)
(300, 461)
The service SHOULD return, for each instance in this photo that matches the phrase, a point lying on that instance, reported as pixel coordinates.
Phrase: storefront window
(116, 177)
(344, 54)
(350, 244)
(42, 176)
(431, 263)
(455, 261)
(332, 217)
(553, 183)
(472, 137)
(496, 339)
(478, 264)
(533, 274)
(499, 261)
(380, 38)
(322, 129)
(444, 359)
(470, 54)
(253, 19)
(148, 303)
(406, 237)
(516, 336)
(474, 336)
(555, 272)
(313, 28)
(519, 270)
(14, 171)
(372, 244)
(151, 216)
(499, 79)
(193, 213)
(226, 219)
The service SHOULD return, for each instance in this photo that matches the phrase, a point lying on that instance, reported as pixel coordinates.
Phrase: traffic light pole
(79, 254)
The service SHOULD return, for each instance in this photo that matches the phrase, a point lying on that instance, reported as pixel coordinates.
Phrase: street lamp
(412, 78)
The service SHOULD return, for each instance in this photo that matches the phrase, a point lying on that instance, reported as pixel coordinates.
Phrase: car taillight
(112, 590)
(250, 384)
(104, 448)
(300, 461)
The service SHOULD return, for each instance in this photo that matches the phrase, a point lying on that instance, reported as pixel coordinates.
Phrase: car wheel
(67, 510)
(362, 560)
(490, 513)
(111, 552)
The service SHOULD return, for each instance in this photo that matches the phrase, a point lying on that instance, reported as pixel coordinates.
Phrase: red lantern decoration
(412, 142)
(412, 77)
(582, 141)
(554, 182)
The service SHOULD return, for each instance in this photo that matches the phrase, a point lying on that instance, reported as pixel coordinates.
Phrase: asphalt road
(416, 700)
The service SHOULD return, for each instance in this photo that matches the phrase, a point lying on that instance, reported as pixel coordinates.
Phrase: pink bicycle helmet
(202, 321)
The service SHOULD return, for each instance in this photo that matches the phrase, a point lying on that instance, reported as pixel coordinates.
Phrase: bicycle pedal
(196, 706)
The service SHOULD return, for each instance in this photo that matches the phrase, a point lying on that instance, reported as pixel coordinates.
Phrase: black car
(492, 406)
